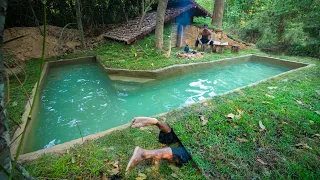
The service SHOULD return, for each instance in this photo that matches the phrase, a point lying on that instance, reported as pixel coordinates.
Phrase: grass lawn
(288, 107)
(288, 113)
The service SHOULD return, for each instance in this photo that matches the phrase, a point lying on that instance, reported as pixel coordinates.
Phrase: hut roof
(128, 32)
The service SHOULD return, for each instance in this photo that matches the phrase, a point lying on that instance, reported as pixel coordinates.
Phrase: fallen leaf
(266, 102)
(142, 128)
(73, 160)
(141, 176)
(316, 135)
(204, 120)
(272, 87)
(231, 116)
(114, 171)
(115, 164)
(152, 64)
(220, 156)
(238, 116)
(260, 161)
(105, 160)
(116, 168)
(270, 96)
(317, 112)
(262, 127)
(14, 103)
(135, 54)
(311, 122)
(303, 146)
(174, 175)
(239, 91)
(78, 177)
(104, 177)
(299, 102)
(242, 140)
(240, 111)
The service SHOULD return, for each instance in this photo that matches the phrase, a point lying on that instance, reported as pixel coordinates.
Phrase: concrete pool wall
(149, 74)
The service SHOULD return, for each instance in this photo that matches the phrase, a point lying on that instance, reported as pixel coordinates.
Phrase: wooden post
(191, 19)
(235, 48)
(220, 49)
(180, 36)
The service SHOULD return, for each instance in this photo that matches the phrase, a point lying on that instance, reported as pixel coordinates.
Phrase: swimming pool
(79, 99)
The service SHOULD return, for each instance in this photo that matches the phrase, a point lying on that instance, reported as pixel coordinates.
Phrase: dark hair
(205, 25)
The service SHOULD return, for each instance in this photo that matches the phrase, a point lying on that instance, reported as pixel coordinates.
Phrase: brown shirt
(205, 33)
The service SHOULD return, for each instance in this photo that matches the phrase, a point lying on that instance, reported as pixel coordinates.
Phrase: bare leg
(138, 122)
(140, 154)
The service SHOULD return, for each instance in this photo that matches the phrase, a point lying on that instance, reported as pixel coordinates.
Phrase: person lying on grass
(178, 155)
(205, 37)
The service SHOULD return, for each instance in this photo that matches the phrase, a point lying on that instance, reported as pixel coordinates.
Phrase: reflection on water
(82, 99)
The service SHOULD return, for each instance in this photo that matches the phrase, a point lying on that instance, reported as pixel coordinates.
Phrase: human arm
(210, 38)
(199, 38)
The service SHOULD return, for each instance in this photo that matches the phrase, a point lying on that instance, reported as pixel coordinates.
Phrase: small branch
(79, 131)
(25, 91)
(15, 122)
(144, 14)
(8, 87)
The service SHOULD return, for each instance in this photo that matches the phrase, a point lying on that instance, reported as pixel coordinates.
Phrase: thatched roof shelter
(129, 32)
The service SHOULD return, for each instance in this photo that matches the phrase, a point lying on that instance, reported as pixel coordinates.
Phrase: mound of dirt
(30, 46)
(192, 32)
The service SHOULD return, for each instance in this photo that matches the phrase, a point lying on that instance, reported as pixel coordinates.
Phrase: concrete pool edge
(183, 68)
(17, 134)
(62, 147)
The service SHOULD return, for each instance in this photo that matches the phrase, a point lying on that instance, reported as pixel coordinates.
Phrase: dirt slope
(30, 46)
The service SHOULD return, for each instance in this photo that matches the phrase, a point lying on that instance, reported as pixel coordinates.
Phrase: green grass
(18, 98)
(96, 158)
(213, 147)
(200, 21)
(217, 152)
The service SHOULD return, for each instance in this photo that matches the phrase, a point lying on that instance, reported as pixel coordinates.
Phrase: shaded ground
(30, 46)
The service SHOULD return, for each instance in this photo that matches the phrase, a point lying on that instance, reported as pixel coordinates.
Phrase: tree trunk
(5, 156)
(79, 21)
(161, 11)
(34, 15)
(281, 30)
(218, 13)
(145, 9)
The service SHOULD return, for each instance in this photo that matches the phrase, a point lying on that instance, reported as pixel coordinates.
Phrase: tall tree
(161, 11)
(218, 13)
(79, 21)
(5, 156)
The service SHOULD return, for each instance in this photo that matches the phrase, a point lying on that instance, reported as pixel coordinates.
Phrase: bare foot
(136, 158)
(139, 122)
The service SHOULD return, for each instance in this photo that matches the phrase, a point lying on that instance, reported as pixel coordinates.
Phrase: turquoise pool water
(81, 96)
